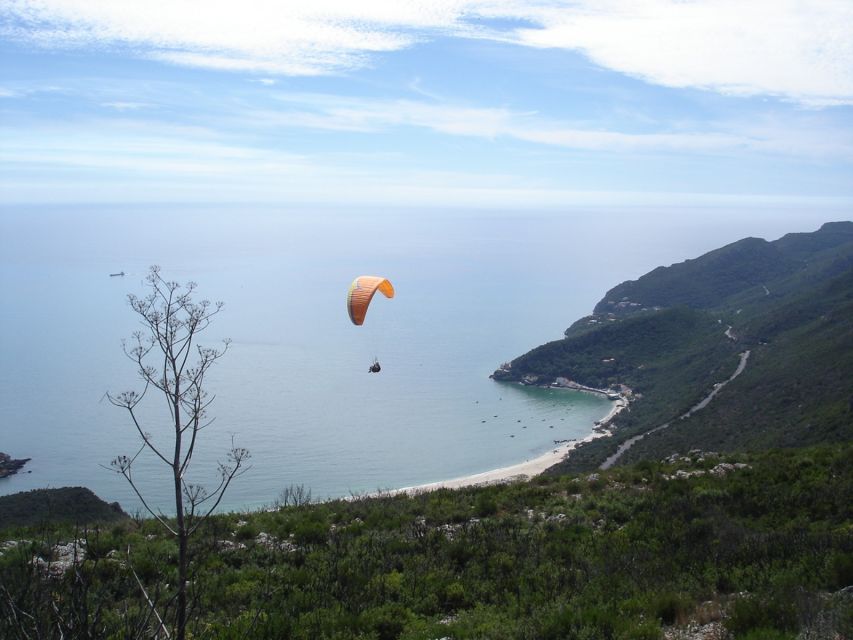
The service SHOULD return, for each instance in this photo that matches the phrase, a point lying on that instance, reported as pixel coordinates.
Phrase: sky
(477, 103)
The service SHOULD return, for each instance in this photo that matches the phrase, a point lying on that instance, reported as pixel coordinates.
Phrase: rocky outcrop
(62, 557)
(9, 466)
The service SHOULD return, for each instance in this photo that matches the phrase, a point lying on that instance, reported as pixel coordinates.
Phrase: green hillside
(65, 504)
(674, 333)
(745, 266)
(797, 390)
(753, 547)
(707, 281)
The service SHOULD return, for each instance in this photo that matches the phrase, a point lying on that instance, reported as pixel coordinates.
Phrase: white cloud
(125, 106)
(801, 51)
(138, 160)
(107, 148)
(299, 38)
(335, 113)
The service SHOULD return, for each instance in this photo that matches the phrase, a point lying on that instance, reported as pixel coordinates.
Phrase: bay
(474, 288)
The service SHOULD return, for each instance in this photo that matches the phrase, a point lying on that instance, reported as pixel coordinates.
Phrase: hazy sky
(428, 102)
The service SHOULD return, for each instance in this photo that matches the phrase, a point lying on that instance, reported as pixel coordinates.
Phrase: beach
(523, 470)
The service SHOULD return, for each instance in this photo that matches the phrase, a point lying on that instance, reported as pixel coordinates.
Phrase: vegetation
(674, 333)
(764, 550)
(75, 505)
(743, 267)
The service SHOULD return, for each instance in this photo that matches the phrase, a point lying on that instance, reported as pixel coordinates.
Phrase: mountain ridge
(673, 334)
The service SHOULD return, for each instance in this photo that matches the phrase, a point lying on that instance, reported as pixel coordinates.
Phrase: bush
(762, 615)
(768, 634)
(670, 608)
(387, 621)
(841, 570)
(486, 505)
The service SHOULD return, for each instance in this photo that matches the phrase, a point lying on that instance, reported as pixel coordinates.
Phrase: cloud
(118, 158)
(126, 106)
(798, 51)
(136, 148)
(289, 38)
(336, 113)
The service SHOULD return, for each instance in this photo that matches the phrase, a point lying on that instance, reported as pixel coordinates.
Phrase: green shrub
(768, 634)
(670, 608)
(386, 621)
(840, 570)
(762, 614)
(454, 596)
(486, 505)
(643, 630)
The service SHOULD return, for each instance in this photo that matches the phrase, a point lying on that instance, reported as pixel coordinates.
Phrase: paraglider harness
(375, 368)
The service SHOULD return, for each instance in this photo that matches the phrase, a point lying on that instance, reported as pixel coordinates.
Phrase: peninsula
(673, 341)
(9, 466)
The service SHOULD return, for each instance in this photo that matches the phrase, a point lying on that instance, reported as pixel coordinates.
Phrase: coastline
(521, 471)
(9, 466)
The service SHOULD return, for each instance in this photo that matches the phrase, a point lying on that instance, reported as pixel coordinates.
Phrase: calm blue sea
(474, 288)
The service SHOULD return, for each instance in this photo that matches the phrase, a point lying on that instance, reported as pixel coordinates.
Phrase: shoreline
(521, 471)
(9, 466)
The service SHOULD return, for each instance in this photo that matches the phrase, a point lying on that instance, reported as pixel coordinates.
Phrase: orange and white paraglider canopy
(361, 292)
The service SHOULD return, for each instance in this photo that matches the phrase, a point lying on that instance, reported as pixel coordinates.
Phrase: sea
(474, 288)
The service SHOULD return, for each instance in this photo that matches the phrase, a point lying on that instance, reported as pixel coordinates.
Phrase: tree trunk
(183, 559)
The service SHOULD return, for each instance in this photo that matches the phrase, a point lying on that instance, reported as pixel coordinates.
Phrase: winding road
(696, 407)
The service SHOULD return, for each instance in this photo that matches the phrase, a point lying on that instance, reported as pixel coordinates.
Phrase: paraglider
(361, 292)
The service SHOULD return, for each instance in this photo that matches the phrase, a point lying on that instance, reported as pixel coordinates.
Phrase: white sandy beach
(521, 471)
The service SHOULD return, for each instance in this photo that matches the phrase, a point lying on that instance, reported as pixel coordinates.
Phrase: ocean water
(474, 289)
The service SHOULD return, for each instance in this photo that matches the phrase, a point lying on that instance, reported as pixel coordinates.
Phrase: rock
(274, 544)
(450, 530)
(695, 631)
(9, 466)
(725, 468)
(63, 557)
(229, 545)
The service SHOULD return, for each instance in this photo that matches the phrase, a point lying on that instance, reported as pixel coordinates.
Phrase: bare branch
(145, 595)
(122, 465)
(146, 437)
(15, 610)
(237, 457)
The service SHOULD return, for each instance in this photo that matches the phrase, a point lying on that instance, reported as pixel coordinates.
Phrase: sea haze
(474, 288)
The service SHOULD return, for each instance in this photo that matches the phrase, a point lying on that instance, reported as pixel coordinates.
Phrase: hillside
(674, 333)
(747, 546)
(747, 266)
(65, 504)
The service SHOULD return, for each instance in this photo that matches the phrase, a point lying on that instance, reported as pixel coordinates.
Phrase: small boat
(120, 273)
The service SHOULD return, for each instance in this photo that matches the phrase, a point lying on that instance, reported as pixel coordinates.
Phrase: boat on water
(120, 273)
